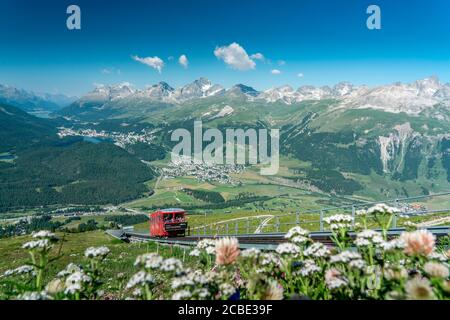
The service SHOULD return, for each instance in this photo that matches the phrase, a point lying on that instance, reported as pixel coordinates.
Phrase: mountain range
(410, 98)
(33, 102)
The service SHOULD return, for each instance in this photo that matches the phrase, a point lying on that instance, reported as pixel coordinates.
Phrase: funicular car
(168, 223)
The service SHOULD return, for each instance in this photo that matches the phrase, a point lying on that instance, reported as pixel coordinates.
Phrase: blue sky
(326, 41)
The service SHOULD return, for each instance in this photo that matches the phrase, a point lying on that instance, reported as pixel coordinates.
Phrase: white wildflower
(22, 270)
(288, 249)
(137, 292)
(205, 243)
(361, 213)
(208, 245)
(296, 231)
(34, 296)
(194, 253)
(210, 250)
(70, 268)
(99, 252)
(299, 239)
(393, 244)
(40, 245)
(339, 221)
(182, 282)
(171, 264)
(309, 268)
(338, 218)
(383, 209)
(368, 237)
(202, 293)
(357, 264)
(227, 289)
(181, 295)
(74, 282)
(268, 258)
(317, 250)
(199, 278)
(251, 253)
(345, 257)
(149, 261)
(140, 279)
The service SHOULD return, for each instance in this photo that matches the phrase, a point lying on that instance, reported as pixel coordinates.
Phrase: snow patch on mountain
(226, 111)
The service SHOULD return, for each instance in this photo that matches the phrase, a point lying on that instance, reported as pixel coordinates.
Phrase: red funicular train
(168, 223)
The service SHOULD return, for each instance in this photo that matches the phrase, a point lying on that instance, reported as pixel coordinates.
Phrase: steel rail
(264, 240)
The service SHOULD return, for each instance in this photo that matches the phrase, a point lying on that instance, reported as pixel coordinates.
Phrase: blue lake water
(7, 157)
(41, 114)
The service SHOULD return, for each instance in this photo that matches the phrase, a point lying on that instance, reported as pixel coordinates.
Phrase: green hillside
(47, 170)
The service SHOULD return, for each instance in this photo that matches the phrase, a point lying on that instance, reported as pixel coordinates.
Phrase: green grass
(72, 246)
(120, 260)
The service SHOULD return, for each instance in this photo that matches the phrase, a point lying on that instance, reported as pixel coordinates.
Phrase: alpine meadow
(230, 151)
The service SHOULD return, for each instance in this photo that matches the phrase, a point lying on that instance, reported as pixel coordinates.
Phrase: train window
(179, 216)
(167, 217)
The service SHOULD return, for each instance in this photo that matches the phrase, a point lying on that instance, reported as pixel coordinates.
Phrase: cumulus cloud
(183, 60)
(300, 75)
(235, 56)
(257, 56)
(153, 62)
(275, 71)
(281, 62)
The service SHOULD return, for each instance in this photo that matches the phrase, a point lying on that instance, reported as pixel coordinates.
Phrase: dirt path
(434, 222)
(263, 224)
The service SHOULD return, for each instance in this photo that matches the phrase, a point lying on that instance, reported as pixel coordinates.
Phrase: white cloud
(235, 56)
(258, 56)
(183, 60)
(106, 71)
(275, 71)
(300, 75)
(281, 62)
(153, 62)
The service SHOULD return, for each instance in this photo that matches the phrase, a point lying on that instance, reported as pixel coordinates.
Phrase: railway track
(263, 240)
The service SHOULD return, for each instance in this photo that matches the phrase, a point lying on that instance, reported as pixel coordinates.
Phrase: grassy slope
(120, 260)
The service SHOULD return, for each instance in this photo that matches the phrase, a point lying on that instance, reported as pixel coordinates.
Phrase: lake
(7, 156)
